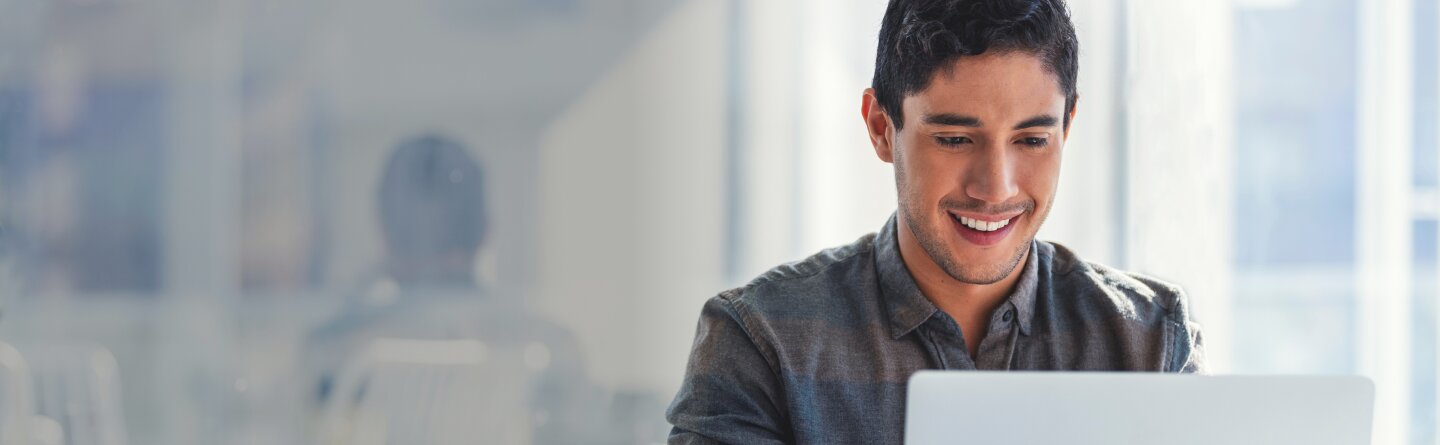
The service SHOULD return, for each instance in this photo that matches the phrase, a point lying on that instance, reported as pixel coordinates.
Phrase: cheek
(925, 189)
(1041, 178)
(927, 174)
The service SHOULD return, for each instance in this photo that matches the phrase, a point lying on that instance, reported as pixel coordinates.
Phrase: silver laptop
(955, 407)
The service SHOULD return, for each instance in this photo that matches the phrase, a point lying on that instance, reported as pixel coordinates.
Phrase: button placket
(949, 340)
(997, 348)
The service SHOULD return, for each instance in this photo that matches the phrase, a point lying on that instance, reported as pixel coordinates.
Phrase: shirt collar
(907, 308)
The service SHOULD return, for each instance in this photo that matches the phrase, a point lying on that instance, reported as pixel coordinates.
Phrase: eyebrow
(1038, 121)
(953, 120)
(960, 120)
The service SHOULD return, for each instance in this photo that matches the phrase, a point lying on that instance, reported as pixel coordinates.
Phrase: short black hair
(920, 37)
(432, 198)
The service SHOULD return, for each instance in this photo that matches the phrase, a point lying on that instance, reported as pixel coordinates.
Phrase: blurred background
(324, 221)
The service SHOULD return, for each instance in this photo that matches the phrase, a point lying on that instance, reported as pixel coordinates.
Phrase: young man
(971, 102)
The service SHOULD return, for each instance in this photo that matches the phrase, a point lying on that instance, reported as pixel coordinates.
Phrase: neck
(960, 299)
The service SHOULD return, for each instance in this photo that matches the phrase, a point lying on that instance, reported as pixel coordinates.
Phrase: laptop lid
(953, 407)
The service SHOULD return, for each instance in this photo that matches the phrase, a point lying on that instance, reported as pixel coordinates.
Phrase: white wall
(632, 202)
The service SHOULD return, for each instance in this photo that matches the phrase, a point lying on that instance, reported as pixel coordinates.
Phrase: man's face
(977, 161)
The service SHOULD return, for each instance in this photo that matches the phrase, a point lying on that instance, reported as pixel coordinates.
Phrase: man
(972, 102)
(433, 221)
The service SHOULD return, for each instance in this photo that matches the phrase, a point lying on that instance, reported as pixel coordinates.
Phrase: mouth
(983, 230)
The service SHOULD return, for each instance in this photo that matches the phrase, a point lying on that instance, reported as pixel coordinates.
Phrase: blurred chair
(430, 392)
(78, 385)
(17, 404)
(19, 424)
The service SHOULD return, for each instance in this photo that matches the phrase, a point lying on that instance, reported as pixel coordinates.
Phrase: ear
(1071, 118)
(877, 123)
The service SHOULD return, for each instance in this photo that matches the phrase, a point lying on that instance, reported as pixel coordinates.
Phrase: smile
(983, 226)
(984, 230)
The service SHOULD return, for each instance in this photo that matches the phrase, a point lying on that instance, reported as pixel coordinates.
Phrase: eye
(1034, 142)
(953, 140)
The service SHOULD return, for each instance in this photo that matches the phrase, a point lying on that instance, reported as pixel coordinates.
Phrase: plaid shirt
(820, 351)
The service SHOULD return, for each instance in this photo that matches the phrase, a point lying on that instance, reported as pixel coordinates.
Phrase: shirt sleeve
(1188, 345)
(1193, 361)
(731, 393)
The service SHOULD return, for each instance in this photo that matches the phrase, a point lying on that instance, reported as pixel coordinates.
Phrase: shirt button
(1009, 315)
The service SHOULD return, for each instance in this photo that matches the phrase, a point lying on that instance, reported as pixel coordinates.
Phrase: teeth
(983, 226)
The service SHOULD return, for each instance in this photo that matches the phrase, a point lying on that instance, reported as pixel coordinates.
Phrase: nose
(991, 177)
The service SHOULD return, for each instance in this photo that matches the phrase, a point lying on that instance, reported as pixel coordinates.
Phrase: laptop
(963, 407)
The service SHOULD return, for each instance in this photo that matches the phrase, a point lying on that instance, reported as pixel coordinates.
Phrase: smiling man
(972, 102)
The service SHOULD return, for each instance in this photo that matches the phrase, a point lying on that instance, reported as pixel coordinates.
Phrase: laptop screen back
(1136, 408)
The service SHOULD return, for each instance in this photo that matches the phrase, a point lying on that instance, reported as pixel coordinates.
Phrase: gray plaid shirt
(819, 351)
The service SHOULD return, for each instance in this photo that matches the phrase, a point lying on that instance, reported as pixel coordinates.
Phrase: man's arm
(1193, 361)
(731, 393)
(1190, 351)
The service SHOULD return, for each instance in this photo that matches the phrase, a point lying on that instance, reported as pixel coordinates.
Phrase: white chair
(17, 403)
(78, 385)
(19, 424)
(430, 392)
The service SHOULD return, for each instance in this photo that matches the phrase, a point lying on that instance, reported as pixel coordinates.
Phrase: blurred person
(431, 205)
(972, 102)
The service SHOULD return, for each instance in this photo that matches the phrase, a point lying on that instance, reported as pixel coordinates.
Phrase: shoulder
(1130, 295)
(823, 286)
(1142, 312)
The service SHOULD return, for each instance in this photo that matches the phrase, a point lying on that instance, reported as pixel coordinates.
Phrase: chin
(993, 266)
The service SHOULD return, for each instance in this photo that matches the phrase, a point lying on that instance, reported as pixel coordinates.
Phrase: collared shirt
(819, 351)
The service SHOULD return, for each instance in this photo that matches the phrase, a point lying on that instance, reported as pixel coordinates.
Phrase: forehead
(992, 86)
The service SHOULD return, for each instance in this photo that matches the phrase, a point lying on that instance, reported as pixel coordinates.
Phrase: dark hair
(920, 37)
(432, 198)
